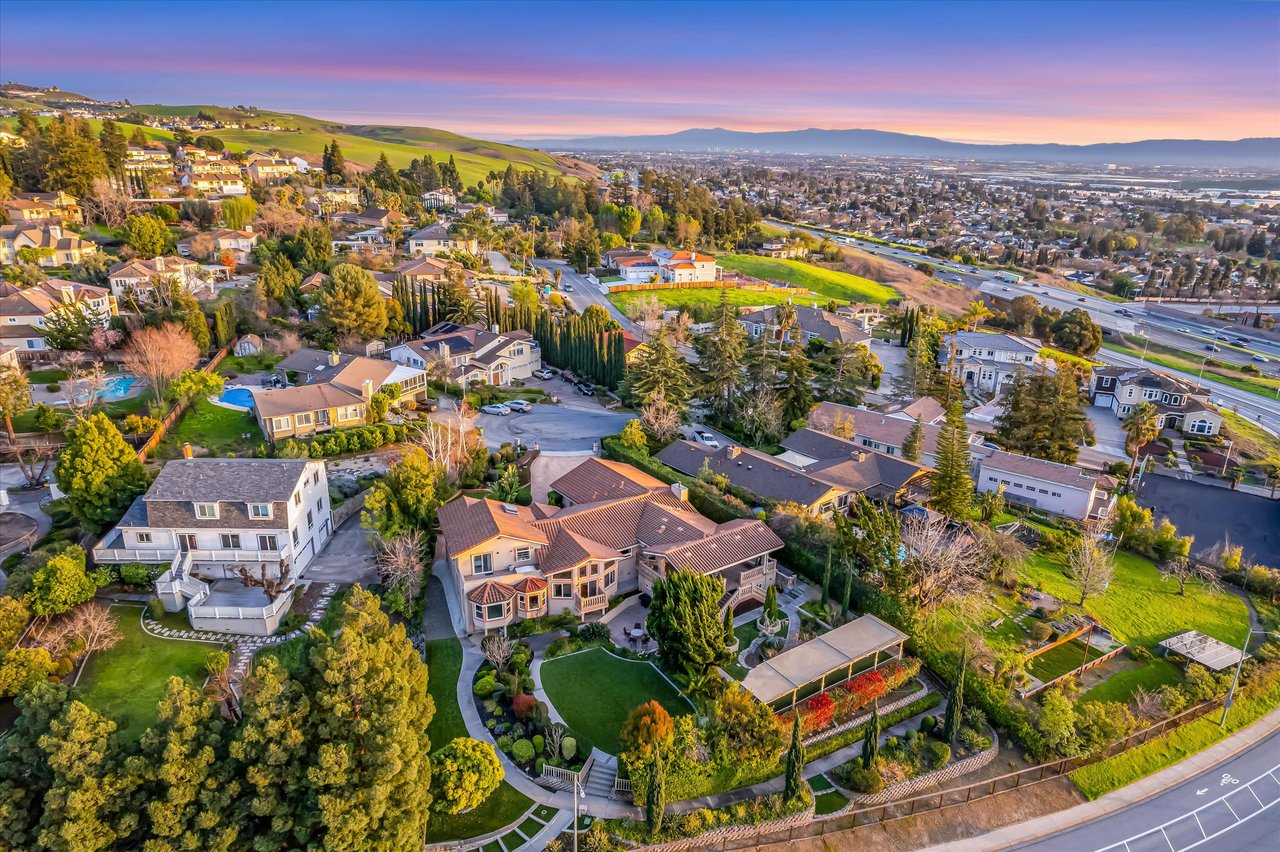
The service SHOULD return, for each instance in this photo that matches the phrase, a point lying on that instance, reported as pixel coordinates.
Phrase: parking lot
(575, 424)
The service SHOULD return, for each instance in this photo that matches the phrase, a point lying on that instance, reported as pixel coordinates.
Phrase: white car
(1184, 330)
(1260, 359)
(521, 405)
(496, 408)
(706, 439)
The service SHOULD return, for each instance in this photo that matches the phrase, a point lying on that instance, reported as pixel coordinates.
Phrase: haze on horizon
(1073, 73)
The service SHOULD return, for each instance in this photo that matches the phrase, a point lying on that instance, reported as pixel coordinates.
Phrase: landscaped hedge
(357, 439)
(831, 744)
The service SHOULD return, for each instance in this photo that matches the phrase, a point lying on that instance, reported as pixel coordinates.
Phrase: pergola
(831, 658)
(1213, 654)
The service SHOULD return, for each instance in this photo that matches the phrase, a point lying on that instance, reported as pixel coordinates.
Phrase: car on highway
(1224, 338)
(567, 287)
(1083, 299)
(542, 373)
(1209, 347)
(706, 439)
(496, 408)
(1184, 330)
(1004, 289)
(1243, 341)
(521, 405)
(1261, 359)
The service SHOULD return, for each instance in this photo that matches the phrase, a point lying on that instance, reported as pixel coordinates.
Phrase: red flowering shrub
(866, 687)
(818, 711)
(898, 672)
(523, 706)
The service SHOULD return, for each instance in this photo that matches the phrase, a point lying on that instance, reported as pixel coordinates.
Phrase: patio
(627, 625)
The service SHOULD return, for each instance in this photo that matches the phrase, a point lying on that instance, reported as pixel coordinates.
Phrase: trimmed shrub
(939, 754)
(522, 751)
(484, 686)
(927, 724)
(910, 735)
(538, 743)
(568, 747)
(155, 609)
(1040, 632)
(523, 706)
(860, 780)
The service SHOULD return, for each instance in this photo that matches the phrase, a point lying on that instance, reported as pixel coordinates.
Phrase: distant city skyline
(1074, 73)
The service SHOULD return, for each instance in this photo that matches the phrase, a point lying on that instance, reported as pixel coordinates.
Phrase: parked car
(586, 388)
(701, 436)
(521, 405)
(542, 374)
(1209, 347)
(496, 408)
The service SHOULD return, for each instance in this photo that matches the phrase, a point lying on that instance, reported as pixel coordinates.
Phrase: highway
(1229, 807)
(1190, 335)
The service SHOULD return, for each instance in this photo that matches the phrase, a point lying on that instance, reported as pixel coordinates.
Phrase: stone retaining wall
(717, 836)
(903, 789)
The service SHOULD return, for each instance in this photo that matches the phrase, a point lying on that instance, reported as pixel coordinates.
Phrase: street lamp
(1230, 443)
(1235, 679)
(576, 826)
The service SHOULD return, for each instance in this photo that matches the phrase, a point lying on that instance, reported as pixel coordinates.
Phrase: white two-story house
(1060, 489)
(472, 353)
(212, 521)
(986, 362)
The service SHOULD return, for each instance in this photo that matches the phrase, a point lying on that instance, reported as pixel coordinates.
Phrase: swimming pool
(242, 397)
(117, 387)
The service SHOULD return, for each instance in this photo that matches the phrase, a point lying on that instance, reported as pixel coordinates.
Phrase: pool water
(242, 397)
(117, 387)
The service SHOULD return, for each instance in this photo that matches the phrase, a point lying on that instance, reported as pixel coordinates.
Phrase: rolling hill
(1262, 151)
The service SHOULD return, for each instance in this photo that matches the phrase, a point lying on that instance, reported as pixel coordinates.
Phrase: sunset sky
(1002, 72)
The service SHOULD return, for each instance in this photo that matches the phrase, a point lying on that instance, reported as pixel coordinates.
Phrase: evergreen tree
(384, 176)
(795, 393)
(871, 741)
(25, 774)
(955, 702)
(795, 764)
(1043, 416)
(684, 618)
(847, 595)
(826, 580)
(952, 480)
(188, 787)
(90, 800)
(352, 303)
(660, 368)
(655, 806)
(720, 362)
(114, 149)
(729, 635)
(336, 164)
(99, 472)
(913, 446)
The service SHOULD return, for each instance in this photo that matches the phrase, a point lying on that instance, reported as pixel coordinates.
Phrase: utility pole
(1235, 678)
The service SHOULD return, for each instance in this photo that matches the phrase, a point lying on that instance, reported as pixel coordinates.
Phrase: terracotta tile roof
(490, 592)
(529, 585)
(599, 479)
(468, 522)
(568, 549)
(737, 541)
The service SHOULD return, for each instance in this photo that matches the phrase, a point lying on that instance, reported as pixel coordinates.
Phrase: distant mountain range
(1261, 152)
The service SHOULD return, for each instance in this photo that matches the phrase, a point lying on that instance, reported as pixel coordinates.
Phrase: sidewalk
(1136, 792)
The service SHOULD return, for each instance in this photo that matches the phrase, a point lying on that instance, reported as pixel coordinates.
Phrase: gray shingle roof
(244, 480)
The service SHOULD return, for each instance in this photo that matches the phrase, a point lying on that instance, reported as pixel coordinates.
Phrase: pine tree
(952, 482)
(1042, 416)
(720, 362)
(99, 472)
(796, 393)
(187, 787)
(871, 741)
(25, 774)
(795, 764)
(90, 801)
(913, 446)
(660, 368)
(655, 806)
(955, 701)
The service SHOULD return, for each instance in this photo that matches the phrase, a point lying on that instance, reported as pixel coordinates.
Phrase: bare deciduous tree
(1147, 704)
(202, 246)
(271, 585)
(286, 343)
(659, 419)
(107, 204)
(1091, 563)
(497, 649)
(219, 687)
(555, 738)
(83, 385)
(645, 312)
(400, 563)
(94, 627)
(941, 562)
(34, 463)
(1183, 570)
(161, 354)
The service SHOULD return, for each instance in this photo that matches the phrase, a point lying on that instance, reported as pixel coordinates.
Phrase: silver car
(523, 406)
(496, 408)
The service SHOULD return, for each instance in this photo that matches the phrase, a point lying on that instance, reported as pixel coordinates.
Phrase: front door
(589, 589)
(186, 541)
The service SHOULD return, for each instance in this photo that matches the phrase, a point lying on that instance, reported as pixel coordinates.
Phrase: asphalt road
(1212, 513)
(574, 425)
(1228, 808)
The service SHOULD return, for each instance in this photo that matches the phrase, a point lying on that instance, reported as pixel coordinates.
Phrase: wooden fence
(761, 287)
(180, 407)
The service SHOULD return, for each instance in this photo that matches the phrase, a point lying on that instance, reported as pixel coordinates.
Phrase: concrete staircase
(600, 779)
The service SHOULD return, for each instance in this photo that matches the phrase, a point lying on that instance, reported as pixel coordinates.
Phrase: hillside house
(436, 238)
(472, 353)
(1182, 404)
(25, 312)
(137, 277)
(987, 362)
(56, 247)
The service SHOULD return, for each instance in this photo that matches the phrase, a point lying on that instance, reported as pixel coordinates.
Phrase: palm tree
(466, 312)
(1141, 426)
(394, 231)
(785, 317)
(974, 314)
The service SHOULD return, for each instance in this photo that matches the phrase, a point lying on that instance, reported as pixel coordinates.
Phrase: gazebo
(1215, 655)
(832, 658)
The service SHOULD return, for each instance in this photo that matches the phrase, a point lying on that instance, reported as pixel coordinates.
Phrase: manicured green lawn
(1121, 685)
(1058, 661)
(43, 377)
(703, 299)
(614, 687)
(829, 803)
(828, 282)
(1140, 607)
(242, 364)
(444, 663)
(505, 806)
(1150, 757)
(126, 681)
(216, 428)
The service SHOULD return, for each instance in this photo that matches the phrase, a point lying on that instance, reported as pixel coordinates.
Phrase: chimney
(494, 328)
(333, 359)
(734, 451)
(186, 451)
(681, 491)
(366, 389)
(859, 455)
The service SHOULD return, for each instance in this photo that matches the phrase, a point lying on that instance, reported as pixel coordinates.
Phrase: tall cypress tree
(955, 701)
(914, 443)
(655, 806)
(795, 764)
(871, 740)
(826, 580)
(952, 482)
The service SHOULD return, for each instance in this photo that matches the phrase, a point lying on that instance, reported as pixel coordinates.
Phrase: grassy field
(1175, 359)
(1121, 685)
(1058, 661)
(126, 681)
(616, 687)
(703, 299)
(213, 427)
(1150, 757)
(828, 282)
(1141, 608)
(1251, 442)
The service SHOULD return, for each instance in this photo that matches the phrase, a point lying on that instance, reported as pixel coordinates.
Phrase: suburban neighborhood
(384, 487)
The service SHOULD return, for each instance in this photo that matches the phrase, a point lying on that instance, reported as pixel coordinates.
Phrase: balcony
(110, 550)
(591, 603)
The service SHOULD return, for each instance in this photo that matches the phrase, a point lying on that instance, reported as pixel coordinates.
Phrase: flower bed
(707, 826)
(844, 702)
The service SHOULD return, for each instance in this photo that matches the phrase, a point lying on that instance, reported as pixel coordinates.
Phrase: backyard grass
(215, 428)
(1115, 772)
(1187, 362)
(827, 282)
(616, 687)
(1140, 607)
(505, 806)
(43, 377)
(1121, 685)
(444, 664)
(243, 364)
(1058, 661)
(125, 682)
(829, 803)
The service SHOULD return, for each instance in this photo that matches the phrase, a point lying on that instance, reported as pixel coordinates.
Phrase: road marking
(1227, 779)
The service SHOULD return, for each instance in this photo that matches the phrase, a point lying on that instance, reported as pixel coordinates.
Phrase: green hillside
(362, 144)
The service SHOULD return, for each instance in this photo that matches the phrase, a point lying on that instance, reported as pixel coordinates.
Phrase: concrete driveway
(1108, 429)
(348, 558)
(571, 425)
(500, 264)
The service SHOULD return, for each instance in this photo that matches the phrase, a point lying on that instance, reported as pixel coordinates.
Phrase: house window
(311, 521)
(610, 578)
(259, 510)
(562, 590)
(1150, 394)
(482, 563)
(294, 531)
(279, 424)
(297, 498)
(533, 601)
(1057, 494)
(490, 612)
(523, 554)
(144, 538)
(303, 419)
(206, 510)
(319, 504)
(230, 541)
(268, 542)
